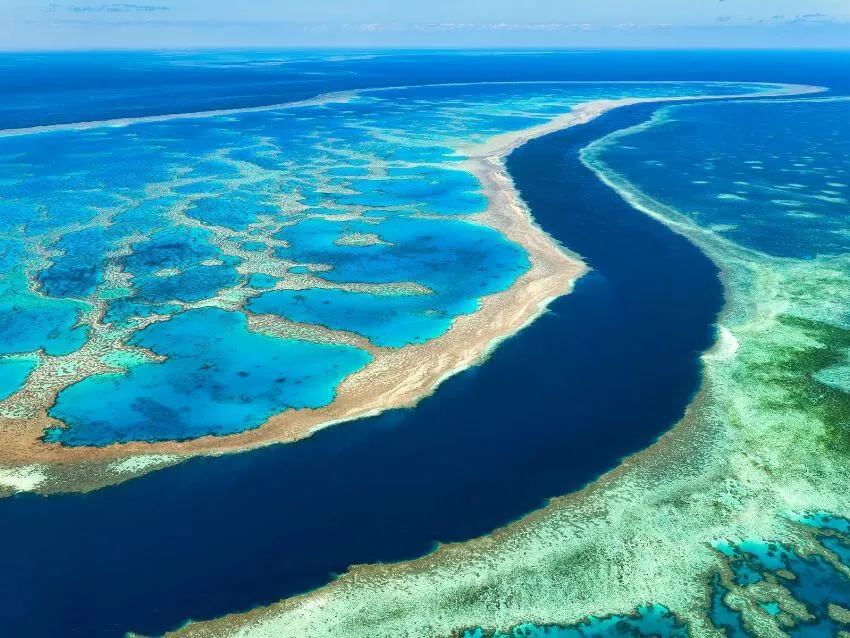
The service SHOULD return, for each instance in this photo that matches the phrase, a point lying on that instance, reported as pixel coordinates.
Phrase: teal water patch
(180, 264)
(748, 559)
(424, 189)
(233, 210)
(193, 284)
(722, 616)
(13, 374)
(392, 321)
(837, 377)
(177, 248)
(650, 620)
(261, 281)
(253, 246)
(445, 256)
(838, 547)
(816, 582)
(219, 378)
(823, 521)
(29, 321)
(79, 270)
(456, 263)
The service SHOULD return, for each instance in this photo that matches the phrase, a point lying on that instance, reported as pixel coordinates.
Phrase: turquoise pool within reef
(809, 594)
(217, 377)
(447, 259)
(650, 620)
(13, 373)
(123, 245)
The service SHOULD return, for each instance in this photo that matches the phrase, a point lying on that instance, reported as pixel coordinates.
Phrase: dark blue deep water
(603, 375)
(51, 88)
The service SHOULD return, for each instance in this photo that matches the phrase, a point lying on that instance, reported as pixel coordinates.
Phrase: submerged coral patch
(217, 378)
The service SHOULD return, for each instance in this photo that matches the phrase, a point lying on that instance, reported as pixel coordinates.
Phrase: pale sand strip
(396, 378)
(326, 98)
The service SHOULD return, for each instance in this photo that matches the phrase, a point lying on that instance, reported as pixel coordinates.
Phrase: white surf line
(820, 100)
(324, 98)
(581, 82)
(344, 96)
(502, 144)
(771, 89)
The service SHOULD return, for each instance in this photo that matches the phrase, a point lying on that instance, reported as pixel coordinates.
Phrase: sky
(83, 24)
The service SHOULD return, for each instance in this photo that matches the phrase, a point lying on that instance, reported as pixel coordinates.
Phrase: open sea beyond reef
(608, 370)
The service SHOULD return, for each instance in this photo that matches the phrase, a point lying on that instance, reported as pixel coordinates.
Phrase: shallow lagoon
(217, 378)
(448, 259)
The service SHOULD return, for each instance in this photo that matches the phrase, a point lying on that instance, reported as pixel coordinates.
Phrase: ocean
(610, 368)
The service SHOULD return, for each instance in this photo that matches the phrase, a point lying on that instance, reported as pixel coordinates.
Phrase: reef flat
(736, 521)
(212, 282)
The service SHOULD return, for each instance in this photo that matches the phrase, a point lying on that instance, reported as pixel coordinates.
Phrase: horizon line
(427, 48)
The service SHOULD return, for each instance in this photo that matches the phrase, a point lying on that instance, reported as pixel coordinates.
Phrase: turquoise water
(722, 616)
(839, 547)
(261, 281)
(395, 322)
(217, 378)
(31, 321)
(650, 620)
(423, 189)
(353, 213)
(449, 259)
(13, 373)
(816, 583)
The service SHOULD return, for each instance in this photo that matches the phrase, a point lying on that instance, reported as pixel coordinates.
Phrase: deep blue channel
(603, 375)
